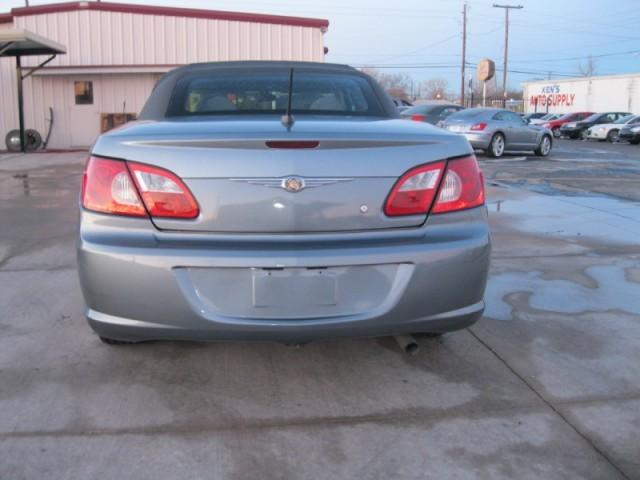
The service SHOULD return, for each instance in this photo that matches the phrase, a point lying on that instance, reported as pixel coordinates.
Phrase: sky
(423, 38)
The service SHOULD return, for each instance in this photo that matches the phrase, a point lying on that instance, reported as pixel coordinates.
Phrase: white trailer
(619, 93)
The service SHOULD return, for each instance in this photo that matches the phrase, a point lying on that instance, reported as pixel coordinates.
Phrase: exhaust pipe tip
(408, 344)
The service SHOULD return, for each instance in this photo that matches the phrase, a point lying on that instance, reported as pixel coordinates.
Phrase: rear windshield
(267, 93)
(420, 109)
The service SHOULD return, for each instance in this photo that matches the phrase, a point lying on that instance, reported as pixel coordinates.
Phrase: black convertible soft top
(157, 106)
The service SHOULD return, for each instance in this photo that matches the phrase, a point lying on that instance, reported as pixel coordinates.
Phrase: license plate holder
(294, 287)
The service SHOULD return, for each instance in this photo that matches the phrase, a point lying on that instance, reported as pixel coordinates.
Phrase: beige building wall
(8, 94)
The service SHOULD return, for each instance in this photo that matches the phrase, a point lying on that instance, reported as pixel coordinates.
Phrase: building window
(84, 93)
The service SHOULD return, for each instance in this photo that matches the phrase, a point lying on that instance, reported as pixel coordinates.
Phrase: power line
(424, 66)
(565, 29)
(613, 54)
(421, 49)
(410, 53)
(541, 72)
(485, 33)
(407, 67)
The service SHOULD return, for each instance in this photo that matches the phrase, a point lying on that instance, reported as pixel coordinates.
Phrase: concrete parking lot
(545, 386)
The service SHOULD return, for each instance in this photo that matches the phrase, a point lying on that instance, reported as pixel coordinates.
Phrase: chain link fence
(495, 101)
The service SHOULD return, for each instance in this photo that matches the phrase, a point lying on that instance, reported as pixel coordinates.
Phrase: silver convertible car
(495, 131)
(279, 201)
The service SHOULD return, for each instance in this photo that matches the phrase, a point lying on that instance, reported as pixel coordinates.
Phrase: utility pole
(464, 53)
(506, 46)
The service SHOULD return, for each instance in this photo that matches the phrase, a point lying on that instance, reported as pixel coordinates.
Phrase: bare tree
(515, 94)
(436, 88)
(495, 94)
(372, 72)
(395, 84)
(588, 69)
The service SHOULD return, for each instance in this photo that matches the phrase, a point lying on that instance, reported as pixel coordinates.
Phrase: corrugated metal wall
(8, 93)
(114, 38)
(104, 38)
(112, 94)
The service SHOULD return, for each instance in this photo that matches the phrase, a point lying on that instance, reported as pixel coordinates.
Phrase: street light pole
(506, 46)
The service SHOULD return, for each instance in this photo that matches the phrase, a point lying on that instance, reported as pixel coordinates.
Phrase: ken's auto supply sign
(607, 93)
(554, 95)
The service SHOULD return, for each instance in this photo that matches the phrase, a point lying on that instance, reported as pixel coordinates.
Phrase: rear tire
(612, 136)
(544, 149)
(634, 142)
(113, 341)
(583, 135)
(496, 146)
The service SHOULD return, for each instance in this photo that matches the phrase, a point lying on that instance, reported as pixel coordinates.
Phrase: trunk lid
(458, 125)
(238, 180)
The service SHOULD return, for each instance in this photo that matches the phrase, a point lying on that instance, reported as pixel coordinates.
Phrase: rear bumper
(479, 141)
(139, 284)
(571, 131)
(596, 134)
(127, 329)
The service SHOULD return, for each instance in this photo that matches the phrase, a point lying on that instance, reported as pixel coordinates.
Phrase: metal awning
(18, 42)
(21, 43)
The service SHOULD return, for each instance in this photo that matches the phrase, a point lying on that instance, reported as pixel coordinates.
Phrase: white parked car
(610, 131)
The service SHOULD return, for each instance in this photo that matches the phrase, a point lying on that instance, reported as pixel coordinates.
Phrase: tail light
(414, 192)
(462, 186)
(418, 118)
(456, 185)
(163, 193)
(133, 189)
(107, 187)
(478, 127)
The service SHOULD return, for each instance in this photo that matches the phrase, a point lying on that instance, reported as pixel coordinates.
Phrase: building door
(85, 118)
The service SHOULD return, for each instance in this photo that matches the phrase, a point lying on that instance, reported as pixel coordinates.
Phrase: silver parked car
(495, 131)
(279, 201)
(432, 112)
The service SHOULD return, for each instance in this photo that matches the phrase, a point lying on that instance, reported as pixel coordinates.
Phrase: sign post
(485, 70)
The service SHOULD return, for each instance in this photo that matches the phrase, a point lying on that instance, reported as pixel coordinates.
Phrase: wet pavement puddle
(614, 291)
(598, 217)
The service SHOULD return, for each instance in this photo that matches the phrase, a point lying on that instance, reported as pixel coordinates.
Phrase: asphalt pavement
(545, 386)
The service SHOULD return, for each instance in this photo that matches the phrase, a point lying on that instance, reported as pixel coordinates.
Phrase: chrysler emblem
(293, 184)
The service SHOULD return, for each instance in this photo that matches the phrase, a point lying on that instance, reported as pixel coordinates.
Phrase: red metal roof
(167, 11)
